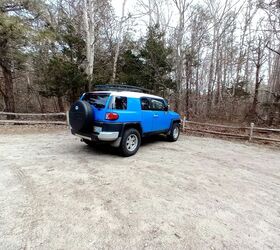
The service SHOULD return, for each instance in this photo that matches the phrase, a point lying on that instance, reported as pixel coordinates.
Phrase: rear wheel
(130, 142)
(174, 133)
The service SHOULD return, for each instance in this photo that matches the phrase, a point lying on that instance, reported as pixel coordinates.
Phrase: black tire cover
(80, 115)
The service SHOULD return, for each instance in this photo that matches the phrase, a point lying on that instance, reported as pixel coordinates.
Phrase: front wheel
(174, 132)
(130, 142)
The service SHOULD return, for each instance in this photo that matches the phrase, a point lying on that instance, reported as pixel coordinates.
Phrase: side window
(145, 104)
(119, 102)
(157, 104)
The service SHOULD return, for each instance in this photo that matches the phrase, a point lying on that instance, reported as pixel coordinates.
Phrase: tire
(174, 132)
(129, 148)
(81, 116)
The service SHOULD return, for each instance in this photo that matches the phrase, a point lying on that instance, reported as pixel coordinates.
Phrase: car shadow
(146, 141)
(105, 149)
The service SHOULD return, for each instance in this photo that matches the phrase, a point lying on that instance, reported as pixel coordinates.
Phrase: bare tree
(249, 15)
(182, 7)
(159, 12)
(119, 37)
(89, 26)
(258, 61)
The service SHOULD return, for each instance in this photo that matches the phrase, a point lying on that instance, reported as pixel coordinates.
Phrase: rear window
(98, 100)
(118, 102)
(145, 104)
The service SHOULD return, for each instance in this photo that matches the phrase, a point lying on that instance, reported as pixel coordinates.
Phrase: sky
(117, 4)
(130, 7)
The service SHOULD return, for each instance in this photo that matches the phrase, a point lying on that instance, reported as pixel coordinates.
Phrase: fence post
(184, 124)
(67, 118)
(251, 131)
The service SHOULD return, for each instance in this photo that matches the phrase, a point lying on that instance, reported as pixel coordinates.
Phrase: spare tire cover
(80, 115)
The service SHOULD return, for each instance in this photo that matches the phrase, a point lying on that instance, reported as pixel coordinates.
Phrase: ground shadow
(106, 149)
(153, 140)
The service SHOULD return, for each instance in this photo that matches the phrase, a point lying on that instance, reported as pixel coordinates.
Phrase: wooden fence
(46, 118)
(242, 132)
(248, 133)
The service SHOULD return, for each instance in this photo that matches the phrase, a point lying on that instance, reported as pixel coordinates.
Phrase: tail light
(112, 116)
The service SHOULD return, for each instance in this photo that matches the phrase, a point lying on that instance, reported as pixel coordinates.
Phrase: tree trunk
(242, 52)
(188, 72)
(8, 91)
(60, 104)
(182, 6)
(188, 101)
(210, 80)
(89, 24)
(219, 60)
(253, 111)
(196, 90)
(118, 43)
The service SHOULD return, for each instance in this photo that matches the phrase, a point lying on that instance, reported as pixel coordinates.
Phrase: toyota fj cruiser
(121, 115)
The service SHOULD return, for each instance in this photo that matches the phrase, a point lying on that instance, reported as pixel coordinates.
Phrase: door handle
(155, 116)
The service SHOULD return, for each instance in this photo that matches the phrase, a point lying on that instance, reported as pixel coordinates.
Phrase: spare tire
(80, 116)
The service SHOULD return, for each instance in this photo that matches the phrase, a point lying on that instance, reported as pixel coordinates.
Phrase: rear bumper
(102, 136)
(108, 136)
(109, 132)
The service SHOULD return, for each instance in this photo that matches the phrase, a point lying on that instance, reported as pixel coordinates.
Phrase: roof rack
(120, 87)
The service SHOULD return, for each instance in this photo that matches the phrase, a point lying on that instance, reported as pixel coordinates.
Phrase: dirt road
(197, 193)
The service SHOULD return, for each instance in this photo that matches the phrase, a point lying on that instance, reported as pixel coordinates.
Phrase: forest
(212, 60)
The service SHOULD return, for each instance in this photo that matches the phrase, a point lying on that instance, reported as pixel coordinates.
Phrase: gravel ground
(197, 193)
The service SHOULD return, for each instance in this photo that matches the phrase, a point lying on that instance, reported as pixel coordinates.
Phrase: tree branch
(273, 50)
(11, 7)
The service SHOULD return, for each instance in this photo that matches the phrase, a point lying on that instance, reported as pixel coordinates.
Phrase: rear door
(98, 101)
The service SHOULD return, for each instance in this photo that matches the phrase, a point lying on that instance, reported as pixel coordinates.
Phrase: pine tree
(156, 64)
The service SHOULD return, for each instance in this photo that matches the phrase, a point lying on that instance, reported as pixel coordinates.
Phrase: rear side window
(98, 100)
(119, 102)
(157, 104)
(145, 104)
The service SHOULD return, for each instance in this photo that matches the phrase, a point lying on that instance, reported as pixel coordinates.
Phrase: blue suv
(122, 115)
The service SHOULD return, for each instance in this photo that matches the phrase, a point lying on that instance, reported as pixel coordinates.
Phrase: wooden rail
(232, 127)
(31, 122)
(33, 114)
(249, 135)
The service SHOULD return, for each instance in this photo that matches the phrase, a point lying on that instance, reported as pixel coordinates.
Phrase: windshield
(98, 100)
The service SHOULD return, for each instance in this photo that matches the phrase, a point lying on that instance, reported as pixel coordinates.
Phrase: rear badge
(76, 107)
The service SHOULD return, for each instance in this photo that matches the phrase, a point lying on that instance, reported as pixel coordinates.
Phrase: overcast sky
(130, 5)
(117, 4)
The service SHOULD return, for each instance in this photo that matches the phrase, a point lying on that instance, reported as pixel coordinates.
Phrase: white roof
(128, 94)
